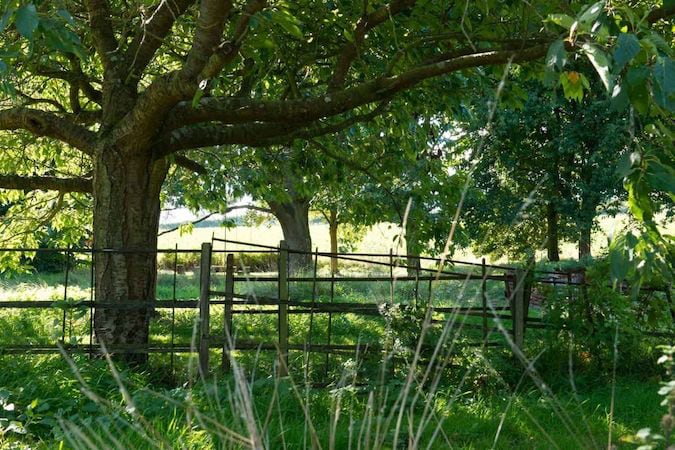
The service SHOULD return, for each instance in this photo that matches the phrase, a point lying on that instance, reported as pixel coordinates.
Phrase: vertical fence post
(283, 310)
(483, 289)
(173, 308)
(65, 297)
(417, 285)
(227, 310)
(92, 306)
(519, 312)
(330, 322)
(204, 287)
(310, 333)
(391, 275)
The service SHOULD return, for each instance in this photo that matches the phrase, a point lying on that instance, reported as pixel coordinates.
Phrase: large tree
(543, 171)
(132, 87)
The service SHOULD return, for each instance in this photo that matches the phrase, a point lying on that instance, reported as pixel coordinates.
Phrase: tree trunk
(412, 249)
(552, 245)
(293, 216)
(585, 225)
(126, 219)
(585, 240)
(332, 231)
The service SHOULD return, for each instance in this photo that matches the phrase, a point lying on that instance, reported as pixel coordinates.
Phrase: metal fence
(489, 299)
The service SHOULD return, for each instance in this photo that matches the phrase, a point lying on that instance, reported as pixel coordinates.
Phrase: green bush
(256, 262)
(186, 261)
(597, 319)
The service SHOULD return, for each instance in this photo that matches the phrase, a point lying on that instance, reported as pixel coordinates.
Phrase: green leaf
(288, 22)
(556, 56)
(6, 17)
(661, 177)
(592, 12)
(663, 74)
(625, 165)
(620, 98)
(599, 60)
(199, 93)
(65, 15)
(627, 47)
(618, 262)
(636, 80)
(563, 20)
(26, 20)
(573, 84)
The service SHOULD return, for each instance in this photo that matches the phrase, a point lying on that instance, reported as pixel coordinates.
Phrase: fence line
(515, 283)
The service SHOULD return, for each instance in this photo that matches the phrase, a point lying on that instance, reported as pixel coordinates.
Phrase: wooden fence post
(204, 288)
(483, 292)
(519, 309)
(282, 370)
(227, 311)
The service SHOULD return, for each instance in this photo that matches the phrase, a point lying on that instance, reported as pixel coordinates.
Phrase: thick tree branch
(45, 183)
(256, 134)
(209, 135)
(661, 13)
(227, 51)
(154, 30)
(102, 30)
(350, 50)
(212, 15)
(322, 129)
(233, 110)
(75, 78)
(43, 123)
(166, 91)
(187, 163)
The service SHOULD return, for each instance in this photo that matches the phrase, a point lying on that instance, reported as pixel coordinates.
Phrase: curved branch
(233, 110)
(75, 77)
(153, 31)
(102, 30)
(38, 183)
(187, 163)
(258, 134)
(226, 51)
(43, 123)
(212, 15)
(661, 13)
(194, 222)
(248, 206)
(227, 210)
(350, 50)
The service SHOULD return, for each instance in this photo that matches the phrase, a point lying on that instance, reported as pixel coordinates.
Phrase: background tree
(544, 172)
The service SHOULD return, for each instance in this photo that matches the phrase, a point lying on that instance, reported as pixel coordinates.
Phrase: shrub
(186, 261)
(589, 319)
(256, 262)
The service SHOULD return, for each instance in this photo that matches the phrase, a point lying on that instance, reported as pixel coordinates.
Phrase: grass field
(63, 412)
(468, 402)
